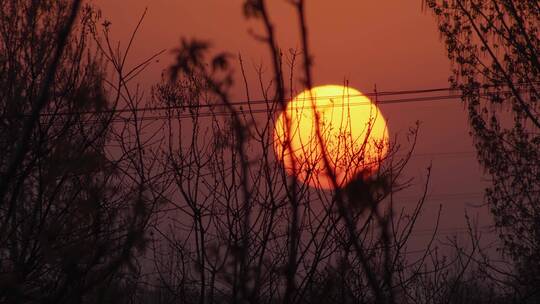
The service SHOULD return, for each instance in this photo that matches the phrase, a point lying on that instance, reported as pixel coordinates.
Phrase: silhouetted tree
(494, 47)
(237, 228)
(73, 211)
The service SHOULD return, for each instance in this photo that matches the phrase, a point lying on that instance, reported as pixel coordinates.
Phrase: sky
(392, 45)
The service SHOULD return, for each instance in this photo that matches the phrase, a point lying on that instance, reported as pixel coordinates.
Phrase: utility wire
(211, 113)
(195, 106)
(266, 102)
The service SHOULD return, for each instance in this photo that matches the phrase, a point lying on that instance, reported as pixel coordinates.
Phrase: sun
(353, 130)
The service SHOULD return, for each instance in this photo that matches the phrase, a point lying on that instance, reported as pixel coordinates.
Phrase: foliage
(494, 46)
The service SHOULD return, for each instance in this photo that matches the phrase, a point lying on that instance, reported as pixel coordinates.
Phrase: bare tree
(239, 229)
(73, 210)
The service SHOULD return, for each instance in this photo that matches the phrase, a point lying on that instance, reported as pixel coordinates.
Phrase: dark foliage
(495, 46)
(69, 222)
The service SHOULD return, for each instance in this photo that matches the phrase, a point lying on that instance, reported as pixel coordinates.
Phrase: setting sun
(354, 133)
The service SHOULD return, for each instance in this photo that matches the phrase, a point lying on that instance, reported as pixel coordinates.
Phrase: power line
(451, 231)
(207, 113)
(250, 102)
(442, 196)
(266, 102)
(459, 154)
(257, 102)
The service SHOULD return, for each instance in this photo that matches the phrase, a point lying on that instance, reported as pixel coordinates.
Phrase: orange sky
(392, 44)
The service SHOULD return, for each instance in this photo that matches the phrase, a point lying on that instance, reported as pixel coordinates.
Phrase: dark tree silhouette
(237, 229)
(72, 211)
(495, 46)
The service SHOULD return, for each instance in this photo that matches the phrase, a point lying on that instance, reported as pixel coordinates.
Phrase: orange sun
(354, 136)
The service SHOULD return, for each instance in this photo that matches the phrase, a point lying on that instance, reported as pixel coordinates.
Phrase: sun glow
(353, 131)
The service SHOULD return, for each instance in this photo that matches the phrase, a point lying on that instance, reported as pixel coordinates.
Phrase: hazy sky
(390, 43)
